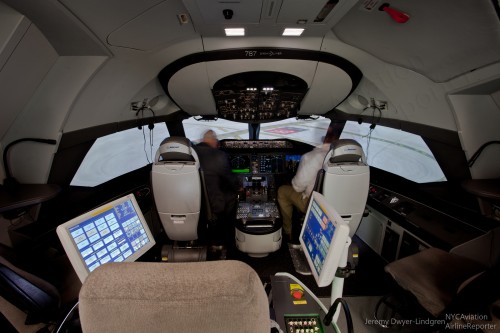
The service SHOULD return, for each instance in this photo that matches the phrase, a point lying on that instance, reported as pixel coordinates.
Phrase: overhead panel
(259, 96)
(260, 84)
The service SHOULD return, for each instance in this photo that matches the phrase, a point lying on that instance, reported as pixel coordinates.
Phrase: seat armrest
(39, 305)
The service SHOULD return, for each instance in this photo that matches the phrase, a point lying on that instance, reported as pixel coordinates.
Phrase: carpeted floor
(369, 279)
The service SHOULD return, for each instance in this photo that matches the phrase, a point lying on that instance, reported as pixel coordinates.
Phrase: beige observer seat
(216, 296)
(435, 276)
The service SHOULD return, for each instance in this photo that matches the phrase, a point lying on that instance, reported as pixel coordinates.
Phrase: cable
(374, 107)
(329, 316)
(66, 318)
(151, 142)
(151, 127)
(479, 151)
(369, 138)
(145, 151)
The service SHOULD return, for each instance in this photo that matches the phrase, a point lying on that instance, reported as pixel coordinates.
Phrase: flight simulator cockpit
(117, 232)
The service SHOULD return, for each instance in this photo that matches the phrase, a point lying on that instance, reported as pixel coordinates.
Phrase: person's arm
(300, 181)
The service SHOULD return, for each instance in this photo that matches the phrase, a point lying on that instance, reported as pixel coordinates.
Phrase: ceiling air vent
(269, 9)
(327, 8)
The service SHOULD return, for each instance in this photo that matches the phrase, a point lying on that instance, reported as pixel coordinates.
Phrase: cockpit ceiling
(266, 17)
(441, 40)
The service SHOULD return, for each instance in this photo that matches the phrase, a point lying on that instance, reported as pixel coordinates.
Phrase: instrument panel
(265, 163)
(255, 144)
(262, 166)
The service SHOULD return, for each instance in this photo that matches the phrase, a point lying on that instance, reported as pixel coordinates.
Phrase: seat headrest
(346, 150)
(175, 148)
(213, 296)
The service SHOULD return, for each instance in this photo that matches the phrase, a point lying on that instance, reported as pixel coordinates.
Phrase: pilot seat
(345, 180)
(177, 189)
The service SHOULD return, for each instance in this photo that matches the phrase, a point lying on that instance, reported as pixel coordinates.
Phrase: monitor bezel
(69, 245)
(337, 245)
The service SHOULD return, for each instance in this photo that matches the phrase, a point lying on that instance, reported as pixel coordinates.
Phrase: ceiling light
(293, 31)
(235, 31)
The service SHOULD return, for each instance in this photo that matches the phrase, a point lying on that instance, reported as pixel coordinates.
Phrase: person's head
(210, 138)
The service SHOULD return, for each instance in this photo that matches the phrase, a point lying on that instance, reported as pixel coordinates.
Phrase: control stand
(258, 221)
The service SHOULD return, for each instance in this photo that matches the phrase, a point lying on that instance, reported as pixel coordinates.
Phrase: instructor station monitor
(323, 239)
(114, 232)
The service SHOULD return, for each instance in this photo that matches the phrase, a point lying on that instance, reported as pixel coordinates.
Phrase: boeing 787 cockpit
(249, 166)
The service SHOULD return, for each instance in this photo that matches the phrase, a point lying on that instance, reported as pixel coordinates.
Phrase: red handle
(398, 16)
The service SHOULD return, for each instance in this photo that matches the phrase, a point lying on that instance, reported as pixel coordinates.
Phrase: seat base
(183, 252)
(260, 245)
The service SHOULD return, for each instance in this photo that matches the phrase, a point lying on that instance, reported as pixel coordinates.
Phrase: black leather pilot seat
(345, 181)
(177, 189)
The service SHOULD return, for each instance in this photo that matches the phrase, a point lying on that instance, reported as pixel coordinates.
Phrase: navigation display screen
(292, 163)
(271, 163)
(240, 163)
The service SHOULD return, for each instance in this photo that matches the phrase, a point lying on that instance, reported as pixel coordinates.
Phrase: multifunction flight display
(264, 163)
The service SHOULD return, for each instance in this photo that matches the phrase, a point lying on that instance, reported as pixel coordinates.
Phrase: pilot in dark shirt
(220, 182)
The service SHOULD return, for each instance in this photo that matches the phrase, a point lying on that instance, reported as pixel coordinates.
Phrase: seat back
(215, 296)
(177, 189)
(346, 181)
(484, 249)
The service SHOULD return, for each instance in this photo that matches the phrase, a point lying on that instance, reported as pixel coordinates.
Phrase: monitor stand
(302, 267)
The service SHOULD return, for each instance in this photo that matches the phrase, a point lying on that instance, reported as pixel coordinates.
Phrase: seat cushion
(433, 276)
